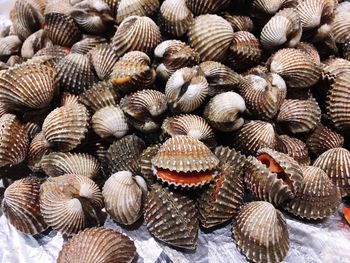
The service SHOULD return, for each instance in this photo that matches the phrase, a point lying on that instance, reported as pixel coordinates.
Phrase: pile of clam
(173, 112)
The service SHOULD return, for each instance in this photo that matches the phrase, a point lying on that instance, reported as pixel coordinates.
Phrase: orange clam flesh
(185, 178)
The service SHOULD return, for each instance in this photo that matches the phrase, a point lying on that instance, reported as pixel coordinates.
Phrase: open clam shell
(171, 217)
(98, 244)
(128, 8)
(146, 163)
(261, 238)
(21, 205)
(318, 199)
(294, 147)
(103, 58)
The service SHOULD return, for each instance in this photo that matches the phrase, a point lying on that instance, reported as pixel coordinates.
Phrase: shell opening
(189, 178)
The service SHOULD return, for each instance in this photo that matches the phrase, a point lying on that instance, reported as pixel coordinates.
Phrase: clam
(98, 244)
(310, 49)
(70, 203)
(239, 23)
(294, 147)
(341, 23)
(136, 33)
(124, 194)
(103, 58)
(21, 206)
(9, 45)
(191, 126)
(13, 61)
(133, 72)
(64, 7)
(222, 200)
(336, 163)
(50, 55)
(87, 44)
(146, 163)
(113, 6)
(171, 218)
(263, 238)
(199, 7)
(144, 109)
(186, 89)
(69, 98)
(299, 116)
(124, 154)
(59, 163)
(224, 111)
(211, 37)
(175, 17)
(110, 121)
(184, 161)
(128, 8)
(38, 147)
(318, 198)
(268, 7)
(34, 43)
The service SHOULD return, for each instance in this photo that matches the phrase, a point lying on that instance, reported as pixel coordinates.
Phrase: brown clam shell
(318, 199)
(294, 147)
(38, 147)
(171, 217)
(9, 45)
(200, 7)
(239, 23)
(50, 55)
(341, 23)
(264, 238)
(87, 44)
(21, 206)
(103, 58)
(34, 43)
(69, 98)
(128, 8)
(146, 163)
(268, 7)
(98, 244)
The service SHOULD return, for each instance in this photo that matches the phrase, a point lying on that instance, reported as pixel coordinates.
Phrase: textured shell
(123, 195)
(171, 218)
(64, 7)
(296, 67)
(146, 163)
(253, 136)
(263, 95)
(87, 44)
(299, 116)
(186, 90)
(210, 36)
(143, 108)
(219, 77)
(98, 245)
(103, 58)
(191, 126)
(35, 42)
(59, 163)
(75, 73)
(222, 200)
(133, 72)
(65, 127)
(336, 163)
(37, 148)
(294, 147)
(9, 45)
(318, 199)
(55, 22)
(310, 49)
(181, 153)
(262, 239)
(21, 206)
(283, 29)
(50, 55)
(244, 51)
(175, 17)
(101, 95)
(110, 121)
(223, 111)
(68, 98)
(128, 8)
(70, 203)
(124, 154)
(14, 140)
(199, 7)
(14, 60)
(269, 7)
(341, 23)
(239, 23)
(136, 33)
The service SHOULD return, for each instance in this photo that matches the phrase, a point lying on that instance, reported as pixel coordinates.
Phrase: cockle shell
(294, 147)
(14, 60)
(87, 44)
(146, 163)
(239, 23)
(224, 111)
(318, 199)
(98, 244)
(299, 116)
(128, 8)
(136, 33)
(124, 154)
(264, 238)
(133, 72)
(59, 163)
(336, 163)
(186, 89)
(171, 217)
(222, 200)
(268, 7)
(310, 49)
(283, 29)
(191, 126)
(333, 68)
(9, 45)
(103, 58)
(253, 136)
(175, 17)
(110, 121)
(341, 23)
(55, 22)
(124, 194)
(184, 161)
(14, 140)
(65, 127)
(172, 55)
(50, 55)
(219, 77)
(296, 67)
(75, 73)
(69, 98)
(34, 43)
(28, 86)
(200, 7)
(64, 7)
(21, 205)
(38, 147)
(210, 36)
(144, 109)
